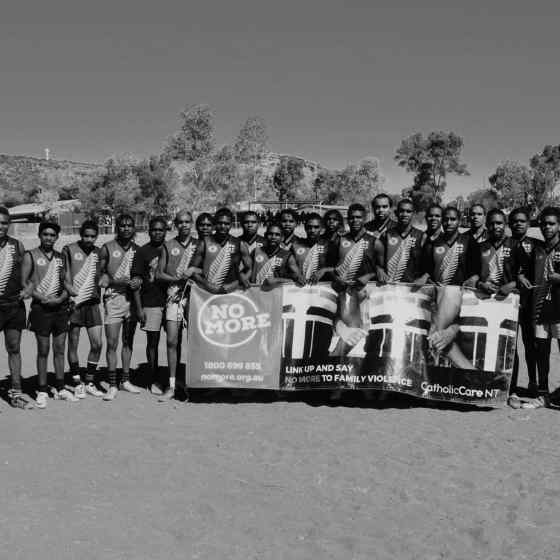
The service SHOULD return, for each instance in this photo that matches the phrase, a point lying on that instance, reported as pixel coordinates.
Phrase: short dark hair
(333, 212)
(549, 211)
(432, 206)
(313, 216)
(479, 206)
(5, 212)
(121, 218)
(273, 223)
(180, 213)
(157, 220)
(452, 209)
(356, 206)
(204, 216)
(382, 195)
(515, 211)
(89, 224)
(293, 213)
(495, 212)
(405, 201)
(250, 213)
(49, 225)
(223, 212)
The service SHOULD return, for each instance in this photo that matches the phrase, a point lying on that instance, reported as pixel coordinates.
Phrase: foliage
(195, 137)
(154, 178)
(288, 178)
(355, 183)
(252, 141)
(546, 174)
(117, 189)
(431, 159)
(512, 183)
(487, 197)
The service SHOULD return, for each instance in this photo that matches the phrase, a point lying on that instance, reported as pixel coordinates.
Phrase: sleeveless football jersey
(47, 275)
(179, 259)
(84, 272)
(310, 258)
(253, 242)
(546, 296)
(453, 263)
(120, 263)
(355, 257)
(402, 254)
(500, 263)
(221, 260)
(11, 257)
(267, 266)
(287, 242)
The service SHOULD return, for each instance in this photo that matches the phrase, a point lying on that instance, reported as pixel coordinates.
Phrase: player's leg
(172, 329)
(128, 330)
(95, 334)
(543, 343)
(112, 334)
(43, 348)
(59, 345)
(12, 342)
(528, 337)
(73, 360)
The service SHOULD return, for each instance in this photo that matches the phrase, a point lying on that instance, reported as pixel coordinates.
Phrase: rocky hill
(26, 179)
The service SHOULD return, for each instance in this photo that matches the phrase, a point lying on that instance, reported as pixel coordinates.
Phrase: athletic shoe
(92, 390)
(110, 394)
(80, 391)
(41, 399)
(155, 389)
(19, 400)
(129, 387)
(168, 395)
(65, 395)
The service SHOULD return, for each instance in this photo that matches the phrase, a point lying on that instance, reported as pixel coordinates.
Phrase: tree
(117, 190)
(195, 138)
(355, 183)
(431, 159)
(153, 181)
(512, 182)
(487, 197)
(546, 174)
(288, 178)
(252, 141)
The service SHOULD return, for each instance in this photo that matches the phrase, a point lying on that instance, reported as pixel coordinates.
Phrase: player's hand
(350, 335)
(506, 289)
(135, 283)
(382, 276)
(524, 282)
(441, 339)
(104, 281)
(141, 316)
(487, 287)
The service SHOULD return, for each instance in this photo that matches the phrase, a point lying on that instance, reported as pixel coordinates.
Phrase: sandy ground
(223, 479)
(210, 479)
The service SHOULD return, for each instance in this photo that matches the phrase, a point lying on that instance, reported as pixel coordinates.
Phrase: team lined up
(149, 284)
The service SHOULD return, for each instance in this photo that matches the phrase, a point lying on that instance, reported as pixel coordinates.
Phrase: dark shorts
(87, 315)
(44, 321)
(12, 317)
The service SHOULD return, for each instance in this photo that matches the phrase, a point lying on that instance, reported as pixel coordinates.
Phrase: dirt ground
(136, 479)
(264, 479)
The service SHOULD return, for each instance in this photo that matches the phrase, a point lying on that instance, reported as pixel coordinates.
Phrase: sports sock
(543, 363)
(112, 378)
(172, 383)
(90, 372)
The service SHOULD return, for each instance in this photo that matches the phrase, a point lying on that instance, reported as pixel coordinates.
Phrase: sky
(335, 82)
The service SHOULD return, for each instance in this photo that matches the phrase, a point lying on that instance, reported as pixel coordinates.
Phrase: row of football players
(148, 283)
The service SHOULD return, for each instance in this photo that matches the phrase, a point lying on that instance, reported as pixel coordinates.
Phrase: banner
(443, 343)
(234, 340)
